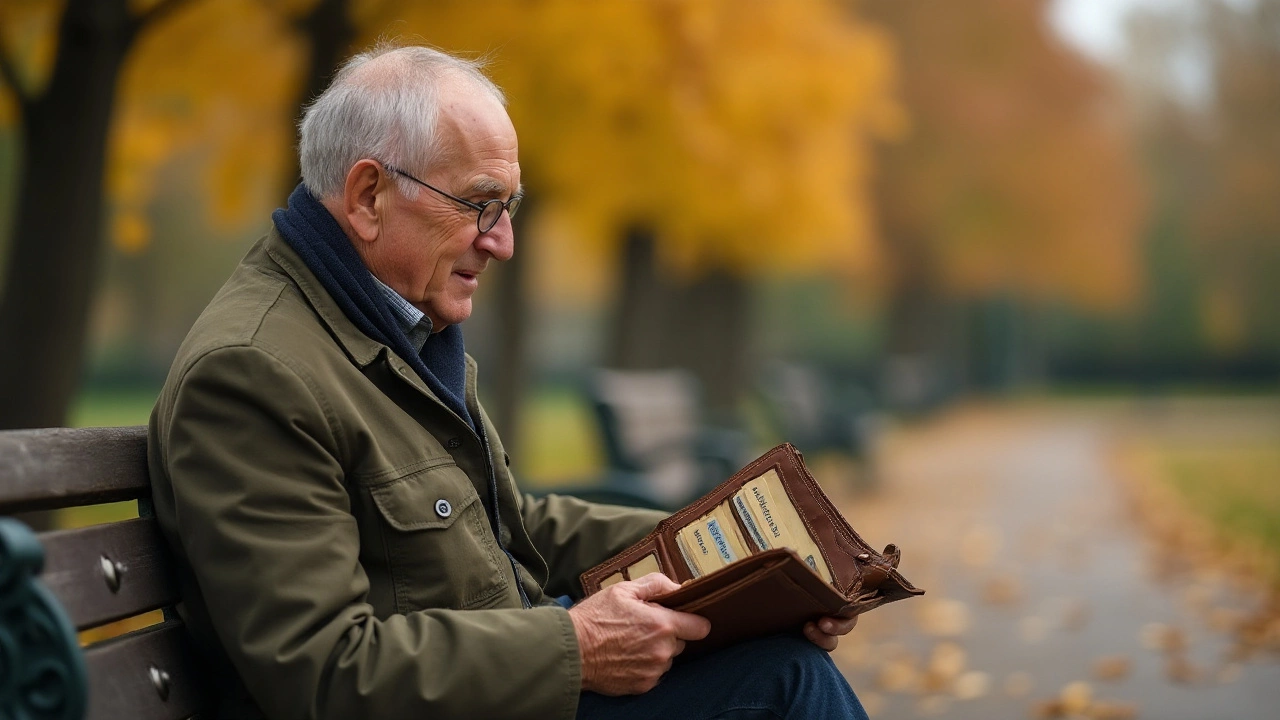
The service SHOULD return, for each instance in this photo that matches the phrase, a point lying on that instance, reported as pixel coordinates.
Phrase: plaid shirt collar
(414, 322)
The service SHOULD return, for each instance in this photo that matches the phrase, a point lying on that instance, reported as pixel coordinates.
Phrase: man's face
(429, 249)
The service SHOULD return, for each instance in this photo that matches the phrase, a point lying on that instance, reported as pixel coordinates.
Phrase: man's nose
(500, 241)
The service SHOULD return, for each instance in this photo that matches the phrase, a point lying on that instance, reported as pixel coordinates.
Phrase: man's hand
(826, 632)
(628, 643)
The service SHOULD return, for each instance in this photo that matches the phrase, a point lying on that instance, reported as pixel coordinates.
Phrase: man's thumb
(653, 585)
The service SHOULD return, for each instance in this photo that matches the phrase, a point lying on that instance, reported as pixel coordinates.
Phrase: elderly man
(351, 542)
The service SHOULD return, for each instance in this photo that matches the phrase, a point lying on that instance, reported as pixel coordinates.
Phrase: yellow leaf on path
(1112, 667)
(1180, 670)
(947, 660)
(972, 685)
(944, 617)
(897, 676)
(1076, 696)
(1002, 590)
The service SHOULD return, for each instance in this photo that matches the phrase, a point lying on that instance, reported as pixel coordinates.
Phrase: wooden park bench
(655, 439)
(57, 583)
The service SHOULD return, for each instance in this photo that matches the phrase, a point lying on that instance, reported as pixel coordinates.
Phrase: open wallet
(762, 553)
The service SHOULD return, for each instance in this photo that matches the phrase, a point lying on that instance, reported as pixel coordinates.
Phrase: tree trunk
(330, 32)
(637, 332)
(925, 355)
(511, 378)
(55, 248)
(701, 325)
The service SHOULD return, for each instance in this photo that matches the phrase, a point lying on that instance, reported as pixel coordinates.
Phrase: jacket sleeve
(264, 519)
(573, 535)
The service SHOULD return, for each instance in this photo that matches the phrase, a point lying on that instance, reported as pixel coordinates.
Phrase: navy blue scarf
(313, 233)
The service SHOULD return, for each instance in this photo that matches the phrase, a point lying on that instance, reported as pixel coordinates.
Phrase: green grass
(112, 407)
(1236, 485)
(559, 440)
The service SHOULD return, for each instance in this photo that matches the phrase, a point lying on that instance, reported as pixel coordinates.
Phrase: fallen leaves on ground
(1076, 700)
(1111, 668)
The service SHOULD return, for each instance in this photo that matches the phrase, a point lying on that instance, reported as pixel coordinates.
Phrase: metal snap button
(453, 443)
(443, 508)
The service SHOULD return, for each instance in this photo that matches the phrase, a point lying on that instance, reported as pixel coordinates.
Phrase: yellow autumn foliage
(737, 130)
(213, 86)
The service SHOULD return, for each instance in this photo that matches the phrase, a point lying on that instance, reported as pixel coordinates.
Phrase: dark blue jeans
(783, 676)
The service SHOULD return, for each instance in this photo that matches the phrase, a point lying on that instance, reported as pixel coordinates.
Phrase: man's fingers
(820, 638)
(653, 585)
(689, 626)
(837, 625)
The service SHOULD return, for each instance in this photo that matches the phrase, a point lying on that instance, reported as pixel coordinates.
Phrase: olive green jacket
(299, 469)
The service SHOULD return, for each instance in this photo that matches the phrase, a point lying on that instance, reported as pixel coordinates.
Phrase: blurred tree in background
(702, 151)
(718, 138)
(702, 144)
(104, 104)
(1014, 186)
(1203, 81)
(1236, 223)
(63, 94)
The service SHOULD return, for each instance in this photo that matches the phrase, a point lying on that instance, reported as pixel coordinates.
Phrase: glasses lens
(489, 215)
(513, 205)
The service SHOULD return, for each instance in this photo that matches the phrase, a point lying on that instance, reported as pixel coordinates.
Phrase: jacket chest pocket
(440, 551)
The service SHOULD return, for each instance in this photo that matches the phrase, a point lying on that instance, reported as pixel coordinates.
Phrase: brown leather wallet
(770, 590)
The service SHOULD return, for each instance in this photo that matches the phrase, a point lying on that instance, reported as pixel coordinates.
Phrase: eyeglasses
(489, 210)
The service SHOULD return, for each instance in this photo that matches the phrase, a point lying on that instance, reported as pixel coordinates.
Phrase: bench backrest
(100, 574)
(649, 422)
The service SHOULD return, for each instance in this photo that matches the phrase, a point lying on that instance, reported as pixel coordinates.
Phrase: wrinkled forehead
(478, 140)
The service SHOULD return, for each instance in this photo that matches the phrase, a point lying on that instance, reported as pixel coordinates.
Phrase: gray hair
(382, 104)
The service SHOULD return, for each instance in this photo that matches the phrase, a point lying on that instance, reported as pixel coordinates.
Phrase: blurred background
(1008, 271)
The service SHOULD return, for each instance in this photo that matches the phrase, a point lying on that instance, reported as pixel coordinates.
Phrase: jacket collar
(362, 349)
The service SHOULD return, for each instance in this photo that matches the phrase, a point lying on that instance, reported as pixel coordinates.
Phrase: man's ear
(362, 198)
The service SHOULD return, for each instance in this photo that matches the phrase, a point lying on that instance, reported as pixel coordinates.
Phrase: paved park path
(1041, 599)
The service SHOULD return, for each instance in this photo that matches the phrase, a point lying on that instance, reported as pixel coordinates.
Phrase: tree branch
(9, 73)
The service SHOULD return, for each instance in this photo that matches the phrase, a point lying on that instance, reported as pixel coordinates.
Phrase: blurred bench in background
(655, 439)
(819, 413)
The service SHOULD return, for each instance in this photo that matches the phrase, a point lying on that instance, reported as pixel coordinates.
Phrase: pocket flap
(431, 498)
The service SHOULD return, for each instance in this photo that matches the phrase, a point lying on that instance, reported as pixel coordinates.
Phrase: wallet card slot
(672, 560)
(644, 566)
(751, 535)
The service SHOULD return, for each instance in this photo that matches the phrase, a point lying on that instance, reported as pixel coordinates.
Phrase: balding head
(383, 104)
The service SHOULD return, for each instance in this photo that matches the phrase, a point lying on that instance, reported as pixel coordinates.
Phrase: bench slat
(61, 467)
(120, 684)
(74, 572)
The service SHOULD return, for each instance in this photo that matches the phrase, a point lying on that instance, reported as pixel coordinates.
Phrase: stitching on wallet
(808, 480)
